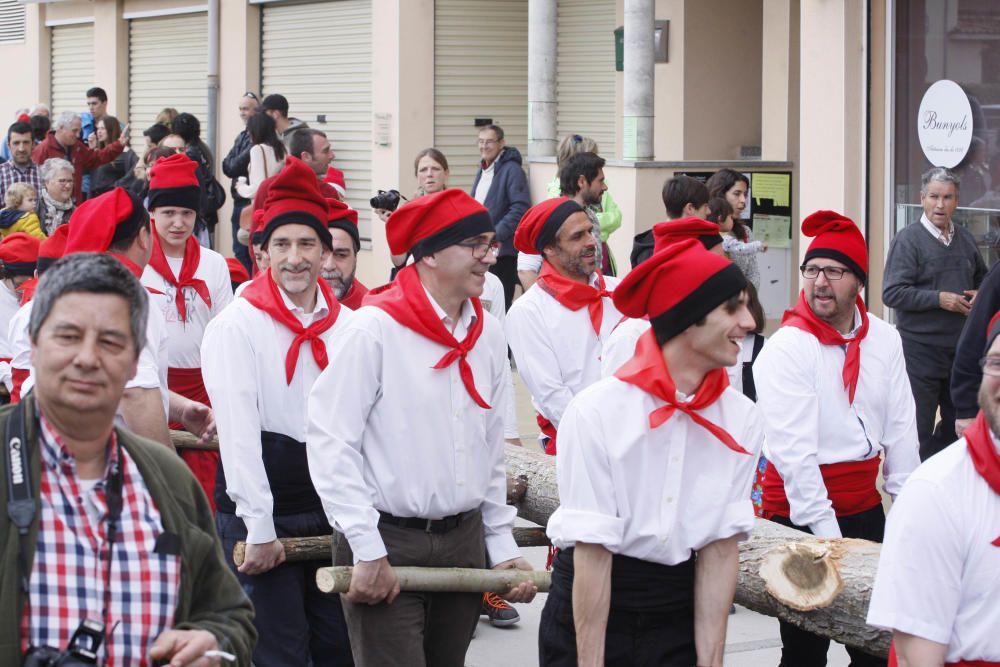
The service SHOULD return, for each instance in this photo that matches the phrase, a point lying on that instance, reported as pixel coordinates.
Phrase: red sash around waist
(17, 378)
(893, 662)
(549, 431)
(850, 486)
(188, 383)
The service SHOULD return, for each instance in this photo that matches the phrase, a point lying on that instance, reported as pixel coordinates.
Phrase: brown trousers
(418, 629)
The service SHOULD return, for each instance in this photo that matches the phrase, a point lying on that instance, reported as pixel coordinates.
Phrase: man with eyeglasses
(236, 164)
(937, 586)
(932, 273)
(833, 392)
(409, 464)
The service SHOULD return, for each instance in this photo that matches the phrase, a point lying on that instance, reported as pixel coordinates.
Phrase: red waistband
(188, 383)
(850, 486)
(549, 431)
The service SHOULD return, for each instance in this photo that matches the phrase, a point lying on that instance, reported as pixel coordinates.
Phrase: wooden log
(440, 579)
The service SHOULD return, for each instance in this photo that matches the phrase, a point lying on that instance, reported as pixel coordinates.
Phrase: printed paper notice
(775, 187)
(774, 230)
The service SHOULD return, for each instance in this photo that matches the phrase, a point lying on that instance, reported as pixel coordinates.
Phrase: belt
(438, 526)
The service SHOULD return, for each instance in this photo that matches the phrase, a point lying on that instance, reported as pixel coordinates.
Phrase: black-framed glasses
(810, 272)
(990, 366)
(481, 248)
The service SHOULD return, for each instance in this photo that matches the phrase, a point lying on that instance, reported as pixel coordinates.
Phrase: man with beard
(833, 392)
(937, 586)
(342, 262)
(260, 357)
(557, 329)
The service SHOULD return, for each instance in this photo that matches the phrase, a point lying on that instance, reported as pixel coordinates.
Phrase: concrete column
(637, 143)
(541, 77)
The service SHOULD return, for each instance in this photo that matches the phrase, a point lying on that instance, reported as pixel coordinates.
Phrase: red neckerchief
(406, 301)
(802, 317)
(134, 269)
(354, 295)
(574, 295)
(27, 290)
(984, 455)
(648, 371)
(189, 265)
(262, 293)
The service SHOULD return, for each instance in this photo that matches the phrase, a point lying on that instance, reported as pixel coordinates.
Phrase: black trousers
(296, 623)
(804, 649)
(506, 270)
(929, 370)
(240, 251)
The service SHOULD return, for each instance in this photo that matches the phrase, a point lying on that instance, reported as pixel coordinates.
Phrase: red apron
(188, 383)
(851, 487)
(549, 431)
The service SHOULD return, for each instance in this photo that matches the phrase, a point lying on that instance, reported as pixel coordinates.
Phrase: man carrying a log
(406, 438)
(833, 391)
(938, 581)
(556, 330)
(260, 358)
(654, 470)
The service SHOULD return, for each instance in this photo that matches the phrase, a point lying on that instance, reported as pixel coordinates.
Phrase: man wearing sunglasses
(833, 391)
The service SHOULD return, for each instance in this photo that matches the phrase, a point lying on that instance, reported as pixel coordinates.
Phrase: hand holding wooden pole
(440, 579)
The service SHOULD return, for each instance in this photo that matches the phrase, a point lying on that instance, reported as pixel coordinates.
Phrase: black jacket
(508, 197)
(966, 374)
(237, 163)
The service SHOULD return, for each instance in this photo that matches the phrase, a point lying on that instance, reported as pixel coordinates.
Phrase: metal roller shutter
(72, 66)
(480, 71)
(585, 72)
(319, 56)
(168, 67)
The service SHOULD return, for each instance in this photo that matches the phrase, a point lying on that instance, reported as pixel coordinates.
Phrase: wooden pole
(440, 579)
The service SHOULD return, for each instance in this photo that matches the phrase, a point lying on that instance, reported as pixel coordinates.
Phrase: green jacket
(210, 596)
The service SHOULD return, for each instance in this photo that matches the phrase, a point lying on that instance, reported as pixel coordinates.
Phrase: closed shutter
(11, 22)
(168, 67)
(319, 56)
(585, 74)
(72, 66)
(480, 71)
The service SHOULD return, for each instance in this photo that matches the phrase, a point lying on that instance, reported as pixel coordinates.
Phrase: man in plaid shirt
(152, 572)
(20, 168)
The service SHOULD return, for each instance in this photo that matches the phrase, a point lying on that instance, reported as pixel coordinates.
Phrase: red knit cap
(433, 222)
(672, 231)
(96, 222)
(52, 248)
(335, 177)
(678, 286)
(837, 237)
(237, 272)
(344, 217)
(294, 198)
(172, 182)
(19, 254)
(540, 223)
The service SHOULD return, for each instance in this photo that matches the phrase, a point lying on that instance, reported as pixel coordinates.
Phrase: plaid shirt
(9, 174)
(70, 568)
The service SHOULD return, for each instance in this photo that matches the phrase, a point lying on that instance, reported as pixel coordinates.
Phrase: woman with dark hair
(188, 127)
(267, 154)
(735, 188)
(118, 171)
(40, 126)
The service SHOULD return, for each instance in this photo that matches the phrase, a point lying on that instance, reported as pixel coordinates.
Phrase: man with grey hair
(63, 141)
(932, 274)
(88, 488)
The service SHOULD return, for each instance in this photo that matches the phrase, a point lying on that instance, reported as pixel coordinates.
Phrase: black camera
(386, 199)
(81, 650)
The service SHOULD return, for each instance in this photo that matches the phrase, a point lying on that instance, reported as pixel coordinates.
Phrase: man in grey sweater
(931, 277)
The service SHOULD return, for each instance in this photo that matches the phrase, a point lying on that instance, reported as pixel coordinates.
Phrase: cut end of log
(802, 575)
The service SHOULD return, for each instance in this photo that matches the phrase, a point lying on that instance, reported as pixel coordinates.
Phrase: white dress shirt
(809, 420)
(184, 338)
(494, 302)
(939, 574)
(243, 365)
(654, 494)
(9, 303)
(620, 344)
(406, 439)
(936, 232)
(557, 352)
(486, 181)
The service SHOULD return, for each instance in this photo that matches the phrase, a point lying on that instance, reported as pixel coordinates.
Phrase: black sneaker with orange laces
(499, 612)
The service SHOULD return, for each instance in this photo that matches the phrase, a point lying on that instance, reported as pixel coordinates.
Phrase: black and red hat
(99, 222)
(293, 198)
(678, 286)
(433, 222)
(540, 224)
(837, 237)
(19, 254)
(673, 231)
(173, 181)
(344, 217)
(52, 248)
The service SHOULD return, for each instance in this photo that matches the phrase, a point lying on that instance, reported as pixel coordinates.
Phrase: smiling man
(342, 262)
(196, 285)
(932, 274)
(557, 329)
(832, 388)
(260, 358)
(406, 438)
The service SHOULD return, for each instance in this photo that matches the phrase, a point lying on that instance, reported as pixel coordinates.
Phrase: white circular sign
(944, 124)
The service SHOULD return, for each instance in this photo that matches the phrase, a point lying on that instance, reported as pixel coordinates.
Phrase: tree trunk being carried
(820, 585)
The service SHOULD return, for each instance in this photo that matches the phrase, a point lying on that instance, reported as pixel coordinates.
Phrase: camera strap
(20, 496)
